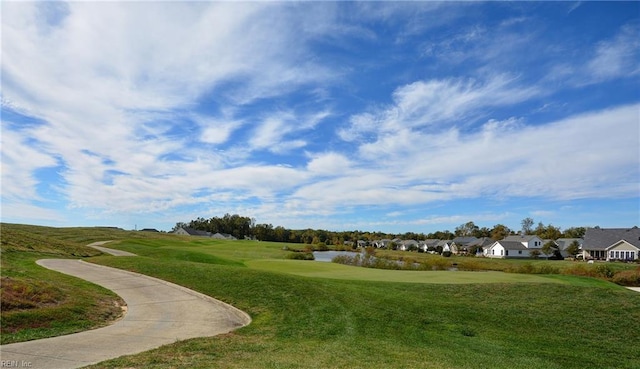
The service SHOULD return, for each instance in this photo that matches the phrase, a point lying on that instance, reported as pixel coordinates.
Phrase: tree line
(245, 227)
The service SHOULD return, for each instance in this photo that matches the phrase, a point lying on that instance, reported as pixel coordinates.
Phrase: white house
(611, 244)
(529, 241)
(507, 249)
(518, 246)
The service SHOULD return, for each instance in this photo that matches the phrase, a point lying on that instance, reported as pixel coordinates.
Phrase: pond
(327, 256)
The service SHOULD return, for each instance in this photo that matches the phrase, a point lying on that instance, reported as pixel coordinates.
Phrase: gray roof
(512, 245)
(520, 238)
(602, 238)
(484, 241)
(463, 240)
(430, 241)
(563, 243)
(196, 232)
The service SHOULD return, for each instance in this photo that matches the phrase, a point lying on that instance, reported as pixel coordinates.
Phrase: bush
(301, 256)
(604, 270)
(532, 269)
(435, 264)
(582, 270)
(547, 269)
(470, 265)
(446, 254)
(629, 278)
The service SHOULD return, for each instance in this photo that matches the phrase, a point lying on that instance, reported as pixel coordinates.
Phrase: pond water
(327, 256)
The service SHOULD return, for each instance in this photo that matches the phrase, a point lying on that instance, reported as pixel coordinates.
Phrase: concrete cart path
(158, 313)
(98, 246)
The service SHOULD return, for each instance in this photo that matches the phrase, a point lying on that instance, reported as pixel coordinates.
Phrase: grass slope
(351, 317)
(39, 303)
(356, 318)
(302, 322)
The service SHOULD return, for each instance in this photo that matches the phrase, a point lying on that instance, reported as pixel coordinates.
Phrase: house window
(501, 252)
(633, 255)
(519, 252)
(493, 252)
(507, 252)
(611, 254)
(617, 255)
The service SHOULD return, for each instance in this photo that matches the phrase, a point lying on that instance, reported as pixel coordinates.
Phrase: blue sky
(395, 117)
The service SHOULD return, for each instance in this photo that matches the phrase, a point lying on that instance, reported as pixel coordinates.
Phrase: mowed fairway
(320, 315)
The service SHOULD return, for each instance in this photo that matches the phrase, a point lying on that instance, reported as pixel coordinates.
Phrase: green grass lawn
(310, 315)
(302, 322)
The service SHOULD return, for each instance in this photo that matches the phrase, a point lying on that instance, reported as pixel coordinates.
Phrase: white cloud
(433, 102)
(619, 56)
(592, 155)
(23, 212)
(215, 131)
(20, 159)
(332, 163)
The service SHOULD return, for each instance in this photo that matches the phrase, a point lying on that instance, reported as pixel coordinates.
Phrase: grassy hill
(39, 303)
(349, 318)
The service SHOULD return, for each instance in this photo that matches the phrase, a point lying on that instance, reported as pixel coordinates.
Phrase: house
(611, 244)
(185, 231)
(425, 245)
(445, 244)
(516, 246)
(362, 243)
(223, 236)
(382, 244)
(408, 245)
(507, 249)
(479, 244)
(529, 241)
(149, 230)
(459, 244)
(564, 243)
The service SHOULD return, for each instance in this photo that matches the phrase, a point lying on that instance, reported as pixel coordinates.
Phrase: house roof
(563, 243)
(602, 238)
(520, 238)
(484, 241)
(511, 245)
(196, 232)
(463, 240)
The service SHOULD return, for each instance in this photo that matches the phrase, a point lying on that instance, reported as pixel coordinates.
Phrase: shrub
(321, 246)
(547, 269)
(301, 256)
(581, 270)
(630, 278)
(523, 268)
(435, 264)
(446, 254)
(470, 265)
(604, 270)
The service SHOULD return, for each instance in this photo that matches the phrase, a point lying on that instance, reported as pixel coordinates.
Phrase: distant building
(185, 231)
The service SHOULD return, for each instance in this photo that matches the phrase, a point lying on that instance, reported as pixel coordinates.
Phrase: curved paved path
(158, 313)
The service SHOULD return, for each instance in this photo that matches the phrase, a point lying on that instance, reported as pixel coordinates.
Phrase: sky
(374, 116)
